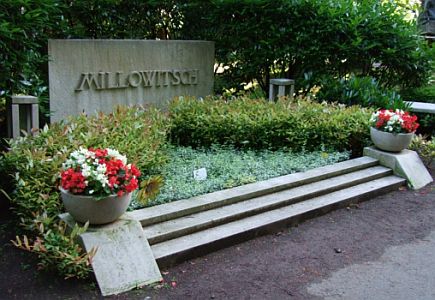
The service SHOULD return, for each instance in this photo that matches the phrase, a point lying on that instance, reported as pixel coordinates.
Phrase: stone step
(198, 243)
(164, 212)
(199, 221)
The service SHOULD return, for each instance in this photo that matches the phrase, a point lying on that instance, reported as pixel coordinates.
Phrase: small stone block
(24, 100)
(282, 81)
(406, 164)
(124, 259)
(422, 107)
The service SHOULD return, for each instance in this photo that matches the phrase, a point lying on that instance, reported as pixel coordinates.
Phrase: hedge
(259, 124)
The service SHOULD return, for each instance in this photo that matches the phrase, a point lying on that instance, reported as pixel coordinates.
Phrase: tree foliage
(255, 39)
(290, 38)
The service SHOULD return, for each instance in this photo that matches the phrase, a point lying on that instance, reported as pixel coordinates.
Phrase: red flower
(99, 152)
(117, 178)
(73, 181)
(134, 171)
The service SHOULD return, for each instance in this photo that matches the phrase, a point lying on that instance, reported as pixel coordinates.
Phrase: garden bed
(228, 167)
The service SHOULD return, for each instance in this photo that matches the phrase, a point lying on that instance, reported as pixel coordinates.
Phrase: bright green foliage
(259, 124)
(364, 91)
(290, 38)
(35, 163)
(228, 167)
(425, 148)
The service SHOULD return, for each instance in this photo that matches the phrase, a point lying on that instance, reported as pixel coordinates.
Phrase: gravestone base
(406, 164)
(124, 259)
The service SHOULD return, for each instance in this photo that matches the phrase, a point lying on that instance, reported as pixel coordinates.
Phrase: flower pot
(87, 208)
(392, 142)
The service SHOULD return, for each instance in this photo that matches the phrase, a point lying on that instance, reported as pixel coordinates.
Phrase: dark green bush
(421, 94)
(34, 163)
(292, 38)
(364, 91)
(286, 38)
(25, 26)
(258, 124)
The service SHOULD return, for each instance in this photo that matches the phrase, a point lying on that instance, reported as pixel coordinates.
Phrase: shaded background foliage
(256, 39)
(310, 37)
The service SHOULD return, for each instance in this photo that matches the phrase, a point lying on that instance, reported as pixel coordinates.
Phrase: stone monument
(96, 75)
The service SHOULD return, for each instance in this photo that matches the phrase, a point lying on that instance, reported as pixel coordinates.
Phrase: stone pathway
(402, 272)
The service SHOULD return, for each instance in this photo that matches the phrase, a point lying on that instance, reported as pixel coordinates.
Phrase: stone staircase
(189, 228)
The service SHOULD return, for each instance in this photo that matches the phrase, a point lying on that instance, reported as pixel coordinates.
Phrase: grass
(228, 167)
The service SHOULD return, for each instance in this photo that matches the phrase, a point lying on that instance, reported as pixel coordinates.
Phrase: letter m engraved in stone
(86, 82)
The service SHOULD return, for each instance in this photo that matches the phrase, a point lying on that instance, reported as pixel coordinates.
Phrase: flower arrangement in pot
(96, 185)
(392, 130)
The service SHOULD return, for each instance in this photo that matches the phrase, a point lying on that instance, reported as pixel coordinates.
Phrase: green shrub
(228, 167)
(34, 164)
(292, 38)
(259, 124)
(364, 91)
(422, 94)
(425, 148)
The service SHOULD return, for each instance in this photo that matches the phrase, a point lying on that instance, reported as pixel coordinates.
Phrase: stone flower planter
(392, 142)
(87, 208)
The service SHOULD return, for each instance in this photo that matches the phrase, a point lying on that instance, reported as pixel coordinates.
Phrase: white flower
(86, 170)
(101, 169)
(102, 179)
(115, 154)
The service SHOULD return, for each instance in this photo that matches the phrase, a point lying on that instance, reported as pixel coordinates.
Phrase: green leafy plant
(364, 91)
(425, 148)
(57, 248)
(423, 94)
(325, 37)
(259, 124)
(34, 164)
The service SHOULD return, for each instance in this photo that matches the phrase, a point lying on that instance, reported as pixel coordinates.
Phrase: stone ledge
(406, 164)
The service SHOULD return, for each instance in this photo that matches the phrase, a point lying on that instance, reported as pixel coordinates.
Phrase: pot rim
(393, 133)
(62, 190)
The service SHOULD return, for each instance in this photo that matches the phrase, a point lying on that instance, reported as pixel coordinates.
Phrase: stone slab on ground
(124, 259)
(406, 164)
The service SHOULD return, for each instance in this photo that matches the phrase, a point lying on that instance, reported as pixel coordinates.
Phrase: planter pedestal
(124, 259)
(406, 164)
